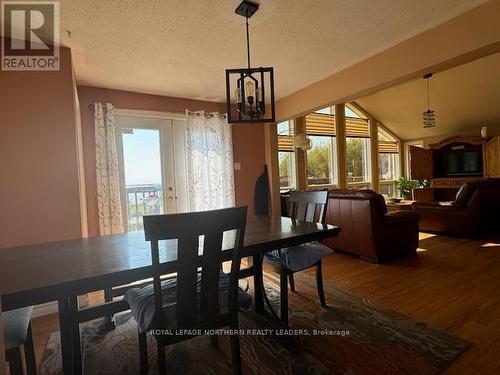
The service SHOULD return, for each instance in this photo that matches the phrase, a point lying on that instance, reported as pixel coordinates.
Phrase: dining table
(64, 270)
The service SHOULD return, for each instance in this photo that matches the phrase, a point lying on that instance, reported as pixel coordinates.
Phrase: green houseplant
(406, 186)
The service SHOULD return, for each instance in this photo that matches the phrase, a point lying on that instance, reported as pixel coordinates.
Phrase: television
(459, 160)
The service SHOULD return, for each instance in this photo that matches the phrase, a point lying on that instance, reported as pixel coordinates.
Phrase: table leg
(257, 284)
(75, 336)
(66, 340)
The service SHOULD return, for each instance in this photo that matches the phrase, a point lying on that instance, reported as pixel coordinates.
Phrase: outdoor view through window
(321, 157)
(143, 177)
(286, 156)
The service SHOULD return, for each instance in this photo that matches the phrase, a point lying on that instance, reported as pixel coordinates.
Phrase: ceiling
(181, 47)
(464, 97)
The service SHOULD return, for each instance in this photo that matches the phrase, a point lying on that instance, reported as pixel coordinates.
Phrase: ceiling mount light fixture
(251, 86)
(429, 116)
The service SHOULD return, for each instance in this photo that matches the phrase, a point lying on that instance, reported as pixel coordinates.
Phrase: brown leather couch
(476, 209)
(366, 229)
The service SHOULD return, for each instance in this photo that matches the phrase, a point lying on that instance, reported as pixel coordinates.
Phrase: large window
(389, 163)
(358, 161)
(321, 158)
(286, 155)
(320, 161)
(287, 169)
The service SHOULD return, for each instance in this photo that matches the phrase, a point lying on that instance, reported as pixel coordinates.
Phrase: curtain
(108, 180)
(209, 161)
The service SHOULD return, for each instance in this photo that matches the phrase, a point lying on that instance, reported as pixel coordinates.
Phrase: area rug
(351, 336)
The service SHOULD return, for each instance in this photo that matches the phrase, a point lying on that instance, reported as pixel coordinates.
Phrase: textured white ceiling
(464, 97)
(182, 47)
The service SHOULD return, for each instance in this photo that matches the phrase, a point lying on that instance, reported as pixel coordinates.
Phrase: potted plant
(406, 187)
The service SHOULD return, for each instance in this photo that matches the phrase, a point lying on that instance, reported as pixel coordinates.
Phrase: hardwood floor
(452, 284)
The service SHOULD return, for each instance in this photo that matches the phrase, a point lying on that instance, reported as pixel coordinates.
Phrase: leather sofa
(476, 209)
(366, 229)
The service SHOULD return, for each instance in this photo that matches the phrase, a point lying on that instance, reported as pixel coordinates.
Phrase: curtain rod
(91, 107)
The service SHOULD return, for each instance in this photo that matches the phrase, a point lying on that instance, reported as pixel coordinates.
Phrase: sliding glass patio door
(152, 173)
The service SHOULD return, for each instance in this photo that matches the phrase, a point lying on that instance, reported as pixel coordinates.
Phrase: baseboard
(51, 307)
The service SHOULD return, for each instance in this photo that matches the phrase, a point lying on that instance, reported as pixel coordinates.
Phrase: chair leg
(292, 282)
(284, 297)
(235, 354)
(213, 341)
(143, 352)
(13, 357)
(162, 361)
(29, 353)
(109, 319)
(319, 284)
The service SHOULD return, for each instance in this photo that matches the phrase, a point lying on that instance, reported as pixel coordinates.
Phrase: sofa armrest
(401, 217)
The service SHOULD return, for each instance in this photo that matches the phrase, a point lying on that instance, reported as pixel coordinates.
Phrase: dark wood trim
(458, 139)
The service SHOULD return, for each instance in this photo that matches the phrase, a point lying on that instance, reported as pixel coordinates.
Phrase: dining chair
(307, 206)
(17, 334)
(200, 296)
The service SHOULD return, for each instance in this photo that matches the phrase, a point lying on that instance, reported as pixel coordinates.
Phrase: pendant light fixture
(429, 116)
(249, 91)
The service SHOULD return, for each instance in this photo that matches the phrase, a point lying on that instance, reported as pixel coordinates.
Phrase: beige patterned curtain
(209, 161)
(108, 180)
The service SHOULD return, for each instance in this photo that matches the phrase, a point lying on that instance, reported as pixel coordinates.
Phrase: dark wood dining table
(61, 271)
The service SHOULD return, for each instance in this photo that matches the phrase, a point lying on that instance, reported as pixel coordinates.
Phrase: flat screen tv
(459, 160)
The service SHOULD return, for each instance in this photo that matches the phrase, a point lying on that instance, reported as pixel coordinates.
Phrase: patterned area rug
(356, 336)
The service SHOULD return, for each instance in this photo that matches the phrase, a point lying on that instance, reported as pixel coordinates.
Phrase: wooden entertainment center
(449, 164)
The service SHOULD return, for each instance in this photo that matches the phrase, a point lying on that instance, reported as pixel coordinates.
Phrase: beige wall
(464, 38)
(39, 191)
(248, 140)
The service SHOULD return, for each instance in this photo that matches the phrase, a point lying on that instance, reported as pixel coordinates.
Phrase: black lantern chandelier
(251, 86)
(429, 116)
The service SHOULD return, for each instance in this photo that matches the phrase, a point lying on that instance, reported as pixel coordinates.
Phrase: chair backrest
(197, 303)
(308, 205)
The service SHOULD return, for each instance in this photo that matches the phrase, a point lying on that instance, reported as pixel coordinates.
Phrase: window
(142, 174)
(326, 111)
(286, 168)
(321, 158)
(358, 160)
(152, 172)
(286, 155)
(389, 163)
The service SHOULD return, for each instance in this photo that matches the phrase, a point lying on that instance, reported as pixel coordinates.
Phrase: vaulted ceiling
(181, 47)
(464, 97)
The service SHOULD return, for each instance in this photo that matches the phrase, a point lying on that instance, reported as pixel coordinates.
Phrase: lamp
(429, 116)
(302, 141)
(251, 86)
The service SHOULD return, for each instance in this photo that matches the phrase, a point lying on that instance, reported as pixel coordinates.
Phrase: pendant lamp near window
(429, 116)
